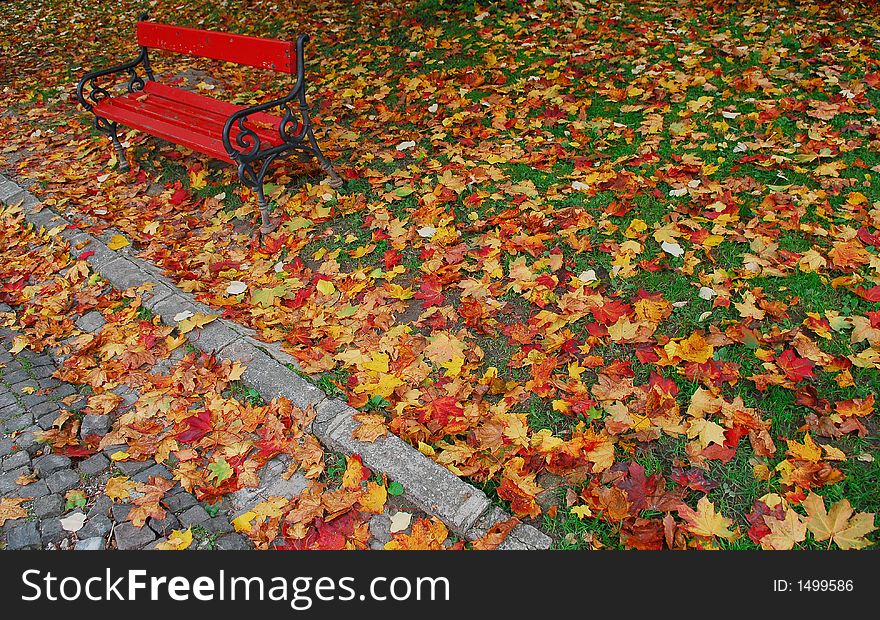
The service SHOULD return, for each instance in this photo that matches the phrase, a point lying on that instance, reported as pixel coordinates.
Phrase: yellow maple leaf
(18, 344)
(177, 541)
(807, 451)
(838, 525)
(118, 488)
(373, 499)
(10, 508)
(785, 533)
(236, 371)
(453, 366)
(242, 523)
(582, 512)
(705, 521)
(196, 320)
(354, 473)
(117, 242)
(694, 348)
(326, 287)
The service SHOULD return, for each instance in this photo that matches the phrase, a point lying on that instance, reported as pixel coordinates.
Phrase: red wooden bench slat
(263, 53)
(206, 108)
(183, 117)
(196, 141)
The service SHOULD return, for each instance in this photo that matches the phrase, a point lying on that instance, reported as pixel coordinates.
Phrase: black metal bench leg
(120, 152)
(335, 179)
(109, 128)
(266, 222)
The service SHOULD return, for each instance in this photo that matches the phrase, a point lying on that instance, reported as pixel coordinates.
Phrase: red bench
(249, 137)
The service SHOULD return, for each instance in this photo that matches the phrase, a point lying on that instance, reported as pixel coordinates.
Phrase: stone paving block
(52, 532)
(123, 274)
(10, 193)
(19, 388)
(45, 219)
(43, 372)
(177, 502)
(176, 303)
(270, 378)
(16, 376)
(80, 241)
(164, 527)
(27, 440)
(94, 425)
(275, 351)
(18, 423)
(91, 544)
(128, 536)
(153, 298)
(219, 525)
(102, 256)
(48, 506)
(47, 421)
(14, 461)
(45, 407)
(66, 390)
(93, 465)
(97, 526)
(62, 481)
(130, 468)
(100, 507)
(129, 396)
(159, 471)
(380, 528)
(50, 463)
(271, 484)
(91, 321)
(213, 336)
(428, 485)
(25, 535)
(522, 537)
(119, 512)
(11, 411)
(30, 491)
(5, 446)
(8, 479)
(233, 542)
(6, 398)
(195, 515)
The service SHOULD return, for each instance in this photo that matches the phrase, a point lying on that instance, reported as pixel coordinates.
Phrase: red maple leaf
(444, 408)
(610, 311)
(197, 427)
(693, 479)
(795, 367)
(430, 292)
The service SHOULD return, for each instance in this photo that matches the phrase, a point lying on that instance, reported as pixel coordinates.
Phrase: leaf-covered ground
(172, 405)
(621, 254)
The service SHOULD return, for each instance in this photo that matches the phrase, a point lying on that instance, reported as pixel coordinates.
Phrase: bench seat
(186, 118)
(267, 129)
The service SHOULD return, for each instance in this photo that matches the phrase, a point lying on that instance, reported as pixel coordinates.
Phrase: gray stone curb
(431, 487)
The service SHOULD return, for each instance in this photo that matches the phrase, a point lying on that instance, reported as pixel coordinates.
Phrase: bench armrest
(97, 93)
(247, 143)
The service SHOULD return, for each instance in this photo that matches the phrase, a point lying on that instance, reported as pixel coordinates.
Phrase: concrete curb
(464, 508)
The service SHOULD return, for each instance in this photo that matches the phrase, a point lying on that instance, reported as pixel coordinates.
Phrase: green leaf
(395, 489)
(266, 296)
(75, 499)
(220, 471)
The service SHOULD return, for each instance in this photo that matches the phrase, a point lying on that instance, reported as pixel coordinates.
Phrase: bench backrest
(243, 50)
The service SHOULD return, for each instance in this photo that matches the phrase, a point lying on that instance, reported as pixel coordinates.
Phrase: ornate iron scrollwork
(294, 130)
(97, 93)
